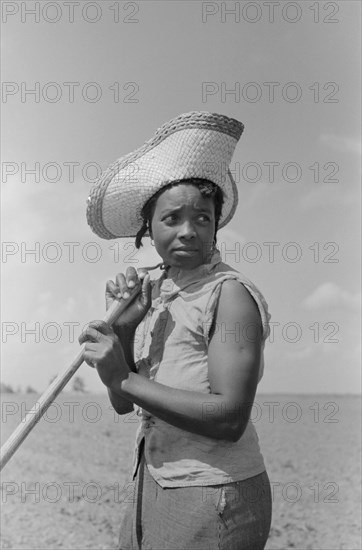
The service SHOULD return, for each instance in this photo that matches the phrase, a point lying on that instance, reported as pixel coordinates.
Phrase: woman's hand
(124, 285)
(104, 351)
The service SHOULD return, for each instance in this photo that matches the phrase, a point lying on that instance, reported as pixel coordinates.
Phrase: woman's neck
(179, 270)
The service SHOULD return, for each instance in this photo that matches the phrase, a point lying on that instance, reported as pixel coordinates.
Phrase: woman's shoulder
(235, 295)
(236, 304)
(232, 292)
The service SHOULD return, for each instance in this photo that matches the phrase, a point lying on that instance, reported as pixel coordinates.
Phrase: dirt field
(64, 486)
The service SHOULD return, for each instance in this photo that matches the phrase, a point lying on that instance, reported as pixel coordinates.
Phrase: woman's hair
(207, 188)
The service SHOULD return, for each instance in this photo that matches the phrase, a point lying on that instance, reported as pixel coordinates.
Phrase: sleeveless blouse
(171, 347)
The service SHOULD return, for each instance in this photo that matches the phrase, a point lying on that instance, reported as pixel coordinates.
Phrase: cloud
(343, 144)
(331, 295)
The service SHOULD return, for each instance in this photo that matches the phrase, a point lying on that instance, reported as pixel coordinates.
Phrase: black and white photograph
(180, 275)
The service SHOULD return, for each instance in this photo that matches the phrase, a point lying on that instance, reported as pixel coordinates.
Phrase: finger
(91, 348)
(94, 331)
(89, 335)
(113, 292)
(131, 277)
(111, 289)
(89, 358)
(146, 290)
(122, 286)
(142, 273)
(101, 326)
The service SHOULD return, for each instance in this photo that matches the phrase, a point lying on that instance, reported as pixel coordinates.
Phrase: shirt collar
(175, 279)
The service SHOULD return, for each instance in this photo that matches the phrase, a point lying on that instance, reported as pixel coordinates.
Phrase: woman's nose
(187, 230)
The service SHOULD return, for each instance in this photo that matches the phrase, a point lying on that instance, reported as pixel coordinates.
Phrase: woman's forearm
(126, 336)
(209, 415)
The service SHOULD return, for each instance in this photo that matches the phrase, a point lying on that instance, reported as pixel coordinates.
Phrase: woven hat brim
(194, 148)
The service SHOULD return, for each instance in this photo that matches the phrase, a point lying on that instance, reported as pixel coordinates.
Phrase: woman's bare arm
(233, 361)
(126, 336)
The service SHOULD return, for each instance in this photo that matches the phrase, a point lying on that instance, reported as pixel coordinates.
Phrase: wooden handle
(47, 398)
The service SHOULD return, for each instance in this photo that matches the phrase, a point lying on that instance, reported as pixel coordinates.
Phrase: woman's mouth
(186, 250)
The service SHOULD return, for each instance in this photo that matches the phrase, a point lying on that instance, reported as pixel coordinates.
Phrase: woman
(199, 477)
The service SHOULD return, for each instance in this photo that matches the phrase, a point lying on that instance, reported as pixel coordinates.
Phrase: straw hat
(192, 145)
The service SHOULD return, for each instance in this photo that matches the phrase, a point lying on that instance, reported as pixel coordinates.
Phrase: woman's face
(183, 226)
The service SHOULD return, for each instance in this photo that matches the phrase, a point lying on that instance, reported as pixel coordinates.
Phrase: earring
(152, 242)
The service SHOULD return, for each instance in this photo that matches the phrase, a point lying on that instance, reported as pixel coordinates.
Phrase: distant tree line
(78, 385)
(7, 388)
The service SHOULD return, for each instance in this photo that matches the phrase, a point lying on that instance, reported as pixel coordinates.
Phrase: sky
(88, 82)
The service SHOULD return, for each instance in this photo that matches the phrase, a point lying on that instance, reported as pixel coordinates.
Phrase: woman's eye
(173, 218)
(203, 218)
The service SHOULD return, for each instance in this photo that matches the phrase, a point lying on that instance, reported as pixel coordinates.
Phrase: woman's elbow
(234, 431)
(123, 409)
